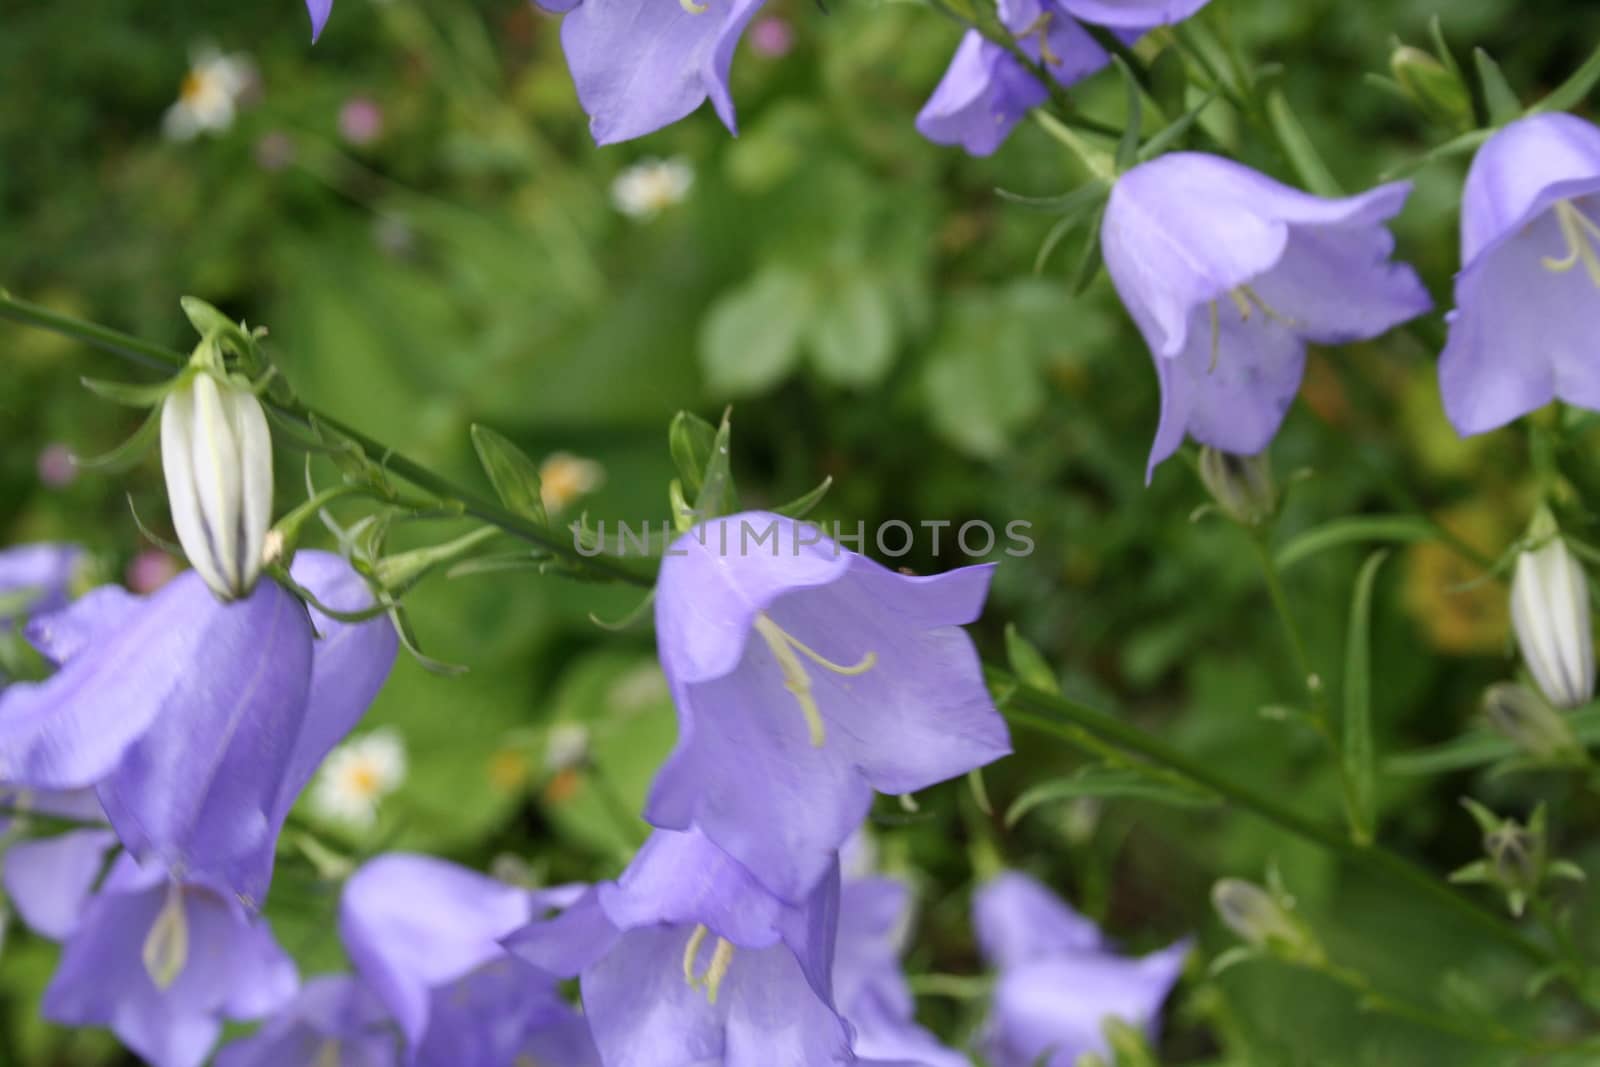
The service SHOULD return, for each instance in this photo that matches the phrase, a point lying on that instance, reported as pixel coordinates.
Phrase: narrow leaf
(801, 506)
(1498, 96)
(1072, 203)
(1052, 239)
(514, 476)
(717, 495)
(1031, 668)
(691, 439)
(1105, 782)
(1128, 145)
(1456, 146)
(1088, 258)
(1357, 751)
(1169, 137)
(1297, 145)
(128, 452)
(1570, 93)
(1354, 530)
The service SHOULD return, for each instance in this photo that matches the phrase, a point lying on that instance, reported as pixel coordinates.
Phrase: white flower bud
(1550, 612)
(217, 455)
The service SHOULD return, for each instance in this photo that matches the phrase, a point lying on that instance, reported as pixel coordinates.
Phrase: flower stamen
(693, 8)
(716, 968)
(166, 947)
(1580, 233)
(796, 680)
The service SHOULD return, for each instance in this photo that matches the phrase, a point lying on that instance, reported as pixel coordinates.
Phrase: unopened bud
(216, 452)
(1262, 920)
(1241, 485)
(1436, 90)
(1522, 717)
(1550, 613)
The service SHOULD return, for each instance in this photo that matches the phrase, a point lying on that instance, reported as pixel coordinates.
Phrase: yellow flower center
(784, 647)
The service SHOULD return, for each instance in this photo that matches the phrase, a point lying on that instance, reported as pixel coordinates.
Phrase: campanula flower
(986, 91)
(48, 879)
(36, 579)
(1058, 978)
(197, 722)
(320, 10)
(686, 958)
(805, 678)
(640, 65)
(333, 1020)
(1528, 295)
(1228, 274)
(424, 936)
(163, 963)
(1551, 617)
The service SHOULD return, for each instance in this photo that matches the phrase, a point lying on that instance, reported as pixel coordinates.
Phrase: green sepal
(691, 440)
(130, 394)
(513, 474)
(801, 506)
(129, 452)
(1498, 97)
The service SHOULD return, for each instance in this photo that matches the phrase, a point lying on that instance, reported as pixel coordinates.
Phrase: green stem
(474, 504)
(1291, 629)
(1373, 1000)
(1059, 716)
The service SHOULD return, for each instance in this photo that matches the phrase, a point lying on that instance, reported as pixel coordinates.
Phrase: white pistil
(796, 680)
(1580, 232)
(166, 947)
(716, 969)
(693, 8)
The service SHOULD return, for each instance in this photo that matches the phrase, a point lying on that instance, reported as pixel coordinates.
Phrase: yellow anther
(693, 8)
(1580, 232)
(796, 680)
(328, 1053)
(716, 970)
(1216, 336)
(691, 952)
(166, 947)
(1241, 301)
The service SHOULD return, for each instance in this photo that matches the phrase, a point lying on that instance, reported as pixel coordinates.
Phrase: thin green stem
(1374, 1000)
(472, 503)
(1057, 715)
(1291, 629)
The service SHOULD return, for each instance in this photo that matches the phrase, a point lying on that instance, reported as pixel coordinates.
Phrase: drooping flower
(163, 963)
(1058, 979)
(357, 775)
(1528, 294)
(36, 579)
(211, 93)
(648, 188)
(687, 959)
(333, 1020)
(197, 722)
(986, 91)
(216, 455)
(1228, 274)
(424, 936)
(640, 65)
(868, 984)
(1550, 613)
(805, 678)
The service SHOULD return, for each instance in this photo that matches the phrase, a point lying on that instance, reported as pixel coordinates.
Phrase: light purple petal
(873, 913)
(320, 10)
(1018, 921)
(1132, 14)
(92, 618)
(640, 65)
(334, 1010)
(642, 1011)
(39, 573)
(1521, 171)
(413, 923)
(884, 1033)
(566, 944)
(482, 1020)
(49, 878)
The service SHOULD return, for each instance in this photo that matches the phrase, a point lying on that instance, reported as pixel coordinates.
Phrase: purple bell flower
(1528, 295)
(48, 880)
(163, 963)
(805, 678)
(640, 65)
(1228, 274)
(686, 958)
(320, 10)
(424, 936)
(197, 722)
(333, 1020)
(36, 579)
(986, 91)
(1058, 979)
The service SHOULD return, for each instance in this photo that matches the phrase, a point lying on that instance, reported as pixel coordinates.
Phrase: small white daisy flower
(209, 97)
(357, 775)
(651, 186)
(563, 478)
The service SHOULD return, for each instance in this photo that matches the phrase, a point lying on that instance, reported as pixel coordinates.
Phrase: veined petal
(1520, 172)
(1132, 14)
(92, 618)
(319, 10)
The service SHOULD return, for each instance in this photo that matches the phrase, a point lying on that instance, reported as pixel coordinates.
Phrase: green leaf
(515, 477)
(1360, 763)
(1456, 146)
(1169, 81)
(717, 494)
(1169, 137)
(1297, 145)
(751, 338)
(128, 393)
(1356, 529)
(691, 440)
(1480, 748)
(1030, 667)
(1498, 96)
(1128, 144)
(1570, 93)
(852, 336)
(1088, 265)
(1106, 782)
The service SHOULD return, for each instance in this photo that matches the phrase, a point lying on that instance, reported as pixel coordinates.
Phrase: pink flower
(360, 120)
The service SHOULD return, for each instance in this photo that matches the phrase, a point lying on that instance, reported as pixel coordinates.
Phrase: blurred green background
(869, 308)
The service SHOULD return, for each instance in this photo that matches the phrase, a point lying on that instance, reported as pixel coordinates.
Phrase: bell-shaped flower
(36, 579)
(1228, 274)
(333, 1020)
(1528, 294)
(868, 984)
(686, 958)
(1058, 979)
(806, 677)
(216, 453)
(197, 722)
(640, 65)
(163, 963)
(424, 935)
(986, 91)
(1550, 613)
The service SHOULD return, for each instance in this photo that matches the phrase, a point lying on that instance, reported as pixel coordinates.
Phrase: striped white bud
(216, 452)
(1550, 612)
